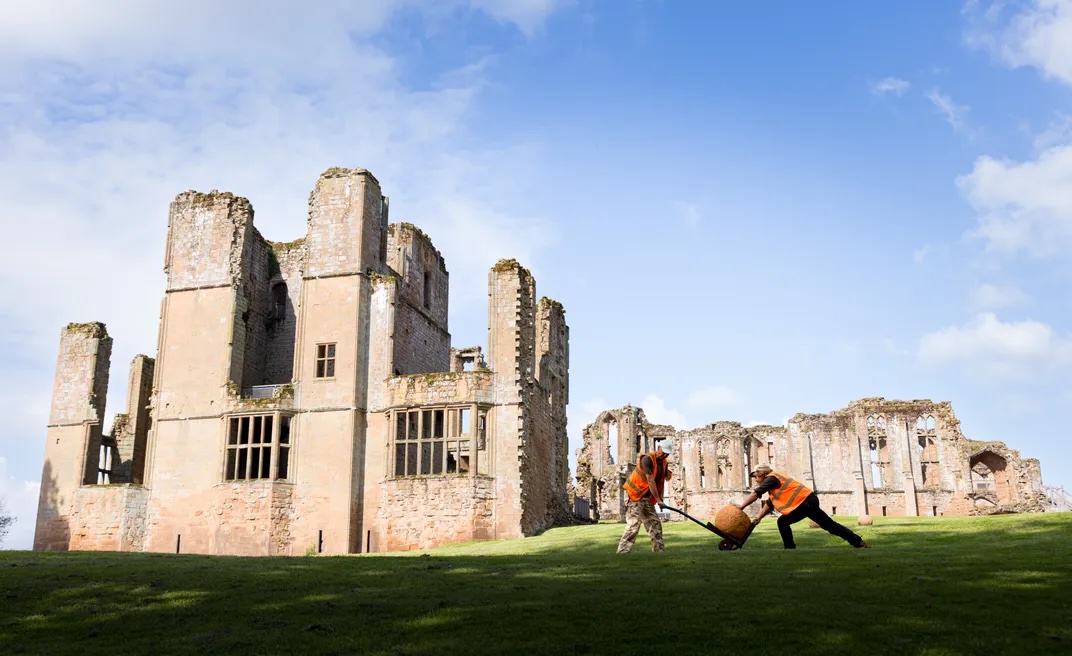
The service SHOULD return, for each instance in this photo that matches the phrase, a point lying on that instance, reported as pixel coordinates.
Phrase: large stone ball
(812, 524)
(865, 520)
(732, 521)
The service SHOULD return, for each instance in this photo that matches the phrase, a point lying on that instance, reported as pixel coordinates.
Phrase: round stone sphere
(732, 521)
(865, 520)
(812, 524)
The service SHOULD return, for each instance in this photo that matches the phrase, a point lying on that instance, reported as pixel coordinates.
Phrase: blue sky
(747, 211)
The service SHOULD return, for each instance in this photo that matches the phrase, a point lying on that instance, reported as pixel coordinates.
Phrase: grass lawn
(967, 585)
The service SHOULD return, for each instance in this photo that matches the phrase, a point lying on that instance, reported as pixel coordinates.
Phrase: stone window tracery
(927, 449)
(878, 448)
(433, 441)
(258, 447)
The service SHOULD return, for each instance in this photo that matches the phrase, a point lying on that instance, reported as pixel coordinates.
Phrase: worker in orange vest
(794, 501)
(645, 487)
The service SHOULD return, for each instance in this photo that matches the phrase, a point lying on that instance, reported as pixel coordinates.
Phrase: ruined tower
(305, 396)
(73, 440)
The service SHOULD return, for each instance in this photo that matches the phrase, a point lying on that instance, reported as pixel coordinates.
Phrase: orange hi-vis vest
(789, 494)
(637, 484)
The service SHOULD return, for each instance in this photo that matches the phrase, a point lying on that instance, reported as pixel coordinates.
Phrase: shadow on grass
(941, 587)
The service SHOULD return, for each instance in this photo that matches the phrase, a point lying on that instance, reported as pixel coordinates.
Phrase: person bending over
(794, 501)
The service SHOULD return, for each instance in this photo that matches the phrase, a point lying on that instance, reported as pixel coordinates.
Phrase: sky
(748, 210)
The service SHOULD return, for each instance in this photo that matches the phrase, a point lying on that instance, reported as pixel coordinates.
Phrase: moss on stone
(506, 265)
(284, 247)
(551, 303)
(92, 329)
(273, 264)
(383, 277)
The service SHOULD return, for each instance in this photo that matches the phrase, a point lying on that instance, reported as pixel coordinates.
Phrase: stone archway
(989, 476)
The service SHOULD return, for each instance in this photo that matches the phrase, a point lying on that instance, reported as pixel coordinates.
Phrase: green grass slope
(928, 586)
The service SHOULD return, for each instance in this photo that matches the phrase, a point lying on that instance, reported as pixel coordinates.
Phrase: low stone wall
(252, 518)
(424, 512)
(109, 518)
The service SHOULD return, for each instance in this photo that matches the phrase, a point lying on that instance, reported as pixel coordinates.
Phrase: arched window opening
(751, 448)
(878, 451)
(279, 302)
(989, 476)
(927, 451)
(611, 431)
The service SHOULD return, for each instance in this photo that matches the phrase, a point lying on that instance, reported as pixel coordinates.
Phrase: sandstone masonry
(876, 457)
(305, 396)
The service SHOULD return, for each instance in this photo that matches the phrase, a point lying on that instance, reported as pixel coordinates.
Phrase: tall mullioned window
(258, 447)
(433, 441)
(325, 360)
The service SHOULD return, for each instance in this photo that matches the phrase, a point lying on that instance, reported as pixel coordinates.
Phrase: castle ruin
(305, 397)
(876, 457)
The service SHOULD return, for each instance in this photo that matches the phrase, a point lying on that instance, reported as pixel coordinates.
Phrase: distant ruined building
(305, 396)
(876, 457)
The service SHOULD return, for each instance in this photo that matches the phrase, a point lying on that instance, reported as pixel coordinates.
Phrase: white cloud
(657, 412)
(714, 397)
(1039, 36)
(985, 345)
(20, 500)
(920, 254)
(952, 112)
(307, 35)
(995, 297)
(893, 85)
(1023, 206)
(1057, 133)
(110, 109)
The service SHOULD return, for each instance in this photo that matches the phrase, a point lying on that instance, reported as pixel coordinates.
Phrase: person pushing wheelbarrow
(794, 501)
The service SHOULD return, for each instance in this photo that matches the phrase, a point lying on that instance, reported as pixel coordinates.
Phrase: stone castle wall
(245, 325)
(877, 457)
(422, 343)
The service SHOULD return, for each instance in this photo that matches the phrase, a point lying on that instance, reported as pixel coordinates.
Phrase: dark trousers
(811, 510)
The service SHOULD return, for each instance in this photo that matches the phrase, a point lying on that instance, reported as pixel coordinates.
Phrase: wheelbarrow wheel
(725, 545)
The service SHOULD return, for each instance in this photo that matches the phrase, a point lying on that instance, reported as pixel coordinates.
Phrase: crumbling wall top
(214, 196)
(880, 404)
(546, 303)
(284, 247)
(510, 264)
(395, 230)
(343, 172)
(94, 329)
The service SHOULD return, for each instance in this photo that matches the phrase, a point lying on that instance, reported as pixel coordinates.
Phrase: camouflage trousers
(637, 513)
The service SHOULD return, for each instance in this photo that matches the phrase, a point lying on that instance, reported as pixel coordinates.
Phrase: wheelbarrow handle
(708, 525)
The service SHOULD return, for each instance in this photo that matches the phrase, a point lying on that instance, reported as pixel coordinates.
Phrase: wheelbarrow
(728, 542)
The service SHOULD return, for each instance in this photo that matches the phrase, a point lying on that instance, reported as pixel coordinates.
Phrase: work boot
(863, 545)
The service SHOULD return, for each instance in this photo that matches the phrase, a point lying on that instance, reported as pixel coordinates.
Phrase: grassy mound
(928, 586)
